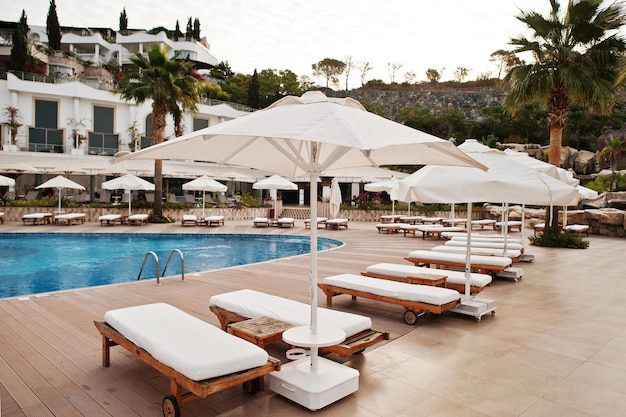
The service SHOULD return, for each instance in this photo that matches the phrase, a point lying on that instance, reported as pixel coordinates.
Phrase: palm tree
(576, 59)
(166, 82)
(611, 152)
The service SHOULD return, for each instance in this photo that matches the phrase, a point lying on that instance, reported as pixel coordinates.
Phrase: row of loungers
(201, 360)
(47, 218)
(192, 220)
(138, 219)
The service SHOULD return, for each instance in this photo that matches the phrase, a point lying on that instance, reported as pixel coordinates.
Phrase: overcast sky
(294, 34)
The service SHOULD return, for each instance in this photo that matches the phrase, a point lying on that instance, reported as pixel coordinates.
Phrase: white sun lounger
(37, 218)
(286, 222)
(195, 355)
(261, 222)
(511, 225)
(215, 220)
(415, 298)
(337, 224)
(321, 221)
(486, 243)
(70, 218)
(432, 230)
(514, 254)
(455, 280)
(483, 264)
(110, 219)
(247, 304)
(484, 223)
(189, 220)
(137, 219)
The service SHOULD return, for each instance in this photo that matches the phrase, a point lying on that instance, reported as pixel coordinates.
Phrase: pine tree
(53, 28)
(196, 28)
(24, 23)
(123, 21)
(253, 91)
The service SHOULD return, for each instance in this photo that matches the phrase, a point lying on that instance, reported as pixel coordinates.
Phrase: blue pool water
(32, 263)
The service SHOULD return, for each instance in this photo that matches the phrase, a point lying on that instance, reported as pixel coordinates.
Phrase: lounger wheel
(410, 316)
(170, 407)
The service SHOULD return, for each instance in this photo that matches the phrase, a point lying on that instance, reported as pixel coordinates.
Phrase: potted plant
(13, 123)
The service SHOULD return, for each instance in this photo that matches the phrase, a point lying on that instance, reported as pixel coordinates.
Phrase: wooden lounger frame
(38, 220)
(111, 222)
(412, 307)
(251, 379)
(485, 269)
(70, 221)
(416, 280)
(352, 345)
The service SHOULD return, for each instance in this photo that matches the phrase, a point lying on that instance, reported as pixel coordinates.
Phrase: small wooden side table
(262, 331)
(435, 280)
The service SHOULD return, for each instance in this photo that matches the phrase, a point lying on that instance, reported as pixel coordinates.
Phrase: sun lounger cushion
(484, 238)
(286, 221)
(434, 257)
(253, 304)
(484, 243)
(399, 290)
(138, 217)
(261, 221)
(109, 217)
(36, 216)
(191, 346)
(478, 250)
(454, 277)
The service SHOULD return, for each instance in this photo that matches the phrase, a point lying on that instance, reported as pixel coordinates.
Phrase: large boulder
(585, 163)
(568, 156)
(606, 216)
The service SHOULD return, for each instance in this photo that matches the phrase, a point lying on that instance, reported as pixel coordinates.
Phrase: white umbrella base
(511, 273)
(298, 382)
(475, 307)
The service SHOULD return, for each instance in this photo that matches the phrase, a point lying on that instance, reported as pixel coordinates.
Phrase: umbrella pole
(130, 202)
(313, 248)
(203, 191)
(59, 190)
(468, 254)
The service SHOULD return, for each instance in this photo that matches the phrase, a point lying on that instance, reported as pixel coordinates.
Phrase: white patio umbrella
(306, 136)
(386, 186)
(335, 198)
(275, 182)
(128, 183)
(6, 181)
(59, 182)
(204, 184)
(505, 182)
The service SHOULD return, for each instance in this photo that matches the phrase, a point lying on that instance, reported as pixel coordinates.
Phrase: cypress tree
(253, 91)
(53, 28)
(123, 21)
(20, 57)
(177, 32)
(196, 28)
(23, 22)
(189, 32)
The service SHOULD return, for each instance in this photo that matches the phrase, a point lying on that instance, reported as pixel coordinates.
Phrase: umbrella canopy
(59, 182)
(128, 182)
(204, 184)
(335, 198)
(18, 168)
(386, 186)
(305, 136)
(6, 181)
(275, 182)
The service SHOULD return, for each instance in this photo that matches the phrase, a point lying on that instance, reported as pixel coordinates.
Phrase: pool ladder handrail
(156, 261)
(182, 263)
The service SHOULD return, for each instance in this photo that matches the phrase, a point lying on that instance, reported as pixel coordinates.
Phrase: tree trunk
(556, 139)
(157, 208)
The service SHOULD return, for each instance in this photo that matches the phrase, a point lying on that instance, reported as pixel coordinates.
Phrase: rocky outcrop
(585, 163)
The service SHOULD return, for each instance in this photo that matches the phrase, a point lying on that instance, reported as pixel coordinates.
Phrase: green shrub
(558, 240)
(248, 200)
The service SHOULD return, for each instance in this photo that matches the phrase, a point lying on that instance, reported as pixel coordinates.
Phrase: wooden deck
(50, 351)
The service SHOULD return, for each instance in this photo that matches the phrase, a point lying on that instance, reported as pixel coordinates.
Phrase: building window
(45, 135)
(103, 140)
(146, 141)
(200, 124)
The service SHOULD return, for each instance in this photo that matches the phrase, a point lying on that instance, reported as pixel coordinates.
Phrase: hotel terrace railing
(64, 78)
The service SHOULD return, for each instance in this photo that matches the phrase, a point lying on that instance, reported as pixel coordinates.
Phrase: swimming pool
(33, 263)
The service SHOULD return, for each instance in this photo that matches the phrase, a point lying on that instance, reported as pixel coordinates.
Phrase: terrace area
(556, 346)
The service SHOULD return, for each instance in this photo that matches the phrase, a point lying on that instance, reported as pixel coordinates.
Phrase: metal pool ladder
(156, 261)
